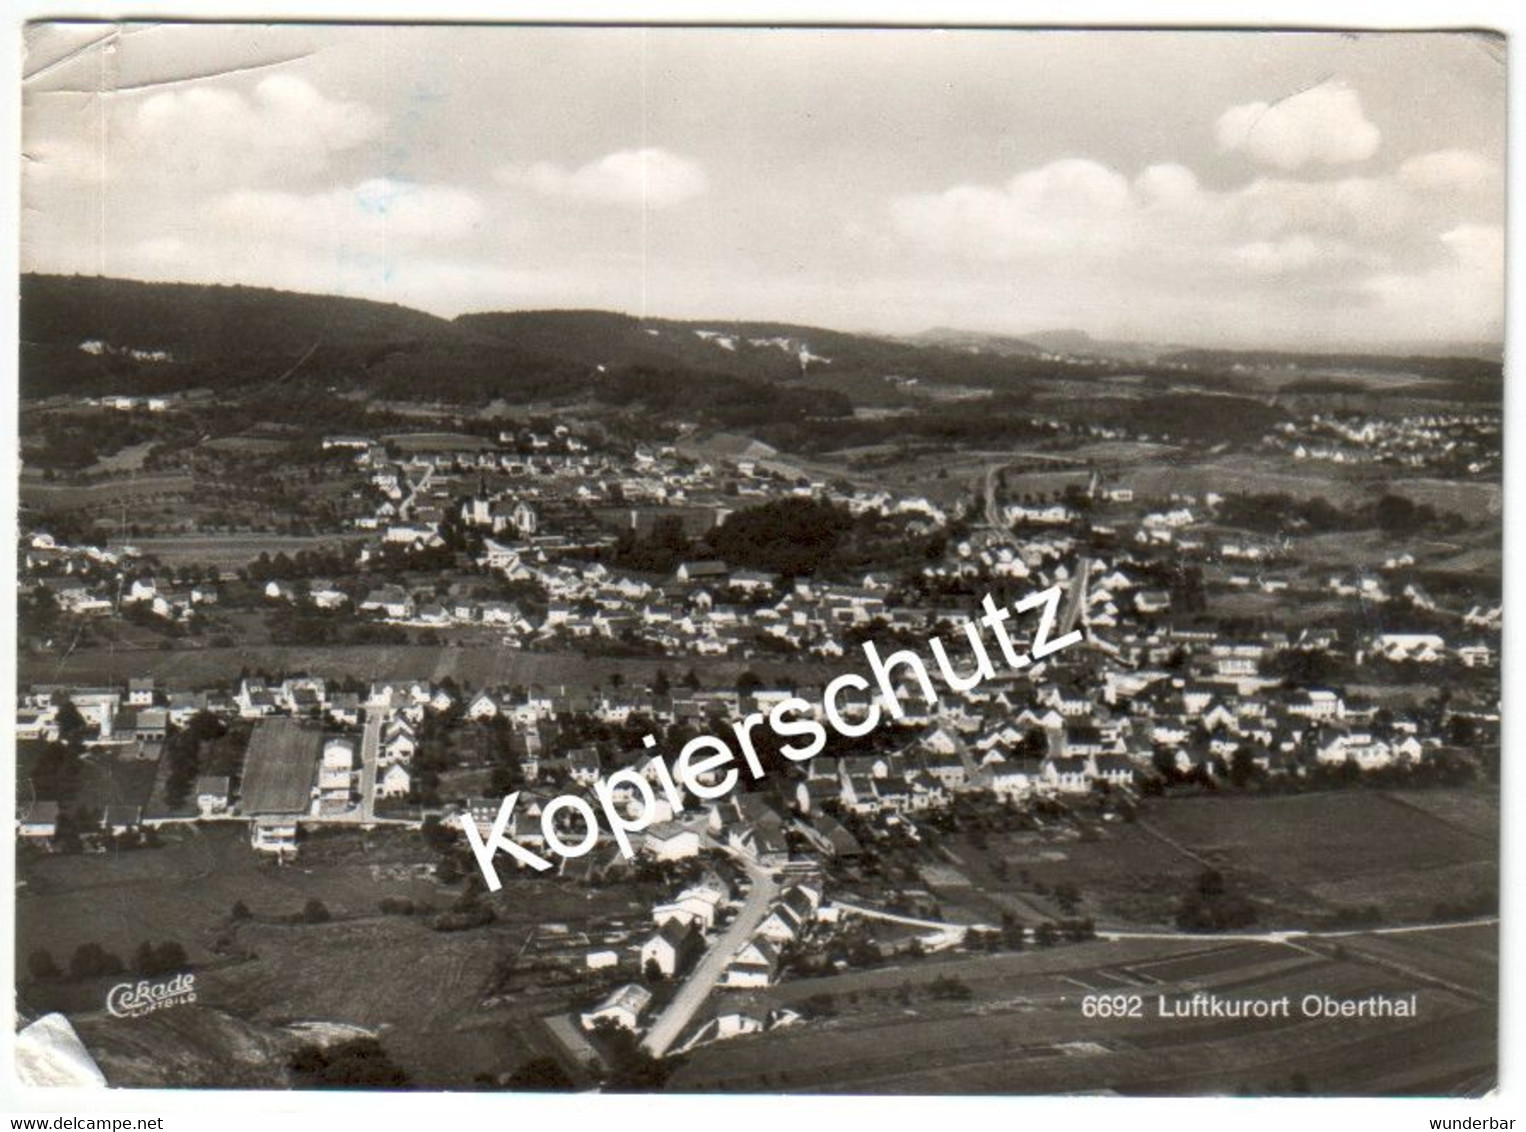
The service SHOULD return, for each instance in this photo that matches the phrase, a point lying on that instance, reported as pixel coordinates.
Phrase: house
(747, 974)
(1117, 771)
(669, 841)
(672, 948)
(212, 794)
(482, 706)
(274, 834)
(709, 570)
(623, 1007)
(583, 766)
(394, 782)
(601, 960)
(140, 693)
(325, 595)
(782, 924)
(1425, 648)
(34, 723)
(150, 725)
(38, 821)
(276, 590)
(391, 601)
(118, 819)
(698, 905)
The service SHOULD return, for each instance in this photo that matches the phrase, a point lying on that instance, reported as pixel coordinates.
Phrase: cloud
(377, 216)
(283, 129)
(1073, 206)
(1295, 255)
(1450, 170)
(1461, 296)
(1325, 124)
(630, 178)
(1351, 257)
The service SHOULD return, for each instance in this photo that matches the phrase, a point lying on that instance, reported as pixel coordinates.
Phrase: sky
(1217, 188)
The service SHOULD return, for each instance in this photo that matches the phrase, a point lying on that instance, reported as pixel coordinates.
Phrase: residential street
(701, 981)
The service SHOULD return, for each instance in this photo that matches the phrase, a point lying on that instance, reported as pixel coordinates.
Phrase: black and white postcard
(758, 560)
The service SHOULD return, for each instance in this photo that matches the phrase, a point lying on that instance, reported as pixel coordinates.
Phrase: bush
(159, 960)
(358, 1064)
(541, 1075)
(315, 912)
(91, 959)
(41, 967)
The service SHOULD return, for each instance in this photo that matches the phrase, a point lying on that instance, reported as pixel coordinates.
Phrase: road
(1291, 934)
(910, 921)
(993, 510)
(702, 980)
(370, 748)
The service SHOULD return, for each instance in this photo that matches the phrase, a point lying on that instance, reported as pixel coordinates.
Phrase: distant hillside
(949, 338)
(85, 335)
(1442, 368)
(194, 322)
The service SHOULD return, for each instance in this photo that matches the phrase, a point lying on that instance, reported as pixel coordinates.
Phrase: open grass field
(1240, 473)
(117, 489)
(280, 767)
(234, 549)
(1126, 878)
(1471, 499)
(474, 666)
(1023, 1031)
(129, 459)
(1301, 858)
(1313, 853)
(421, 990)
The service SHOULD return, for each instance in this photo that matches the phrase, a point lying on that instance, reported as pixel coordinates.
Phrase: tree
(71, 724)
(361, 1063)
(436, 836)
(1242, 767)
(91, 959)
(41, 967)
(541, 1075)
(652, 971)
(240, 910)
(315, 912)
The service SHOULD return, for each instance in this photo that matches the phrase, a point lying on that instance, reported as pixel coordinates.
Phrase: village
(1159, 697)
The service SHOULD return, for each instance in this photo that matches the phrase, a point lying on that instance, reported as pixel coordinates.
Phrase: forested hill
(83, 335)
(197, 321)
(89, 335)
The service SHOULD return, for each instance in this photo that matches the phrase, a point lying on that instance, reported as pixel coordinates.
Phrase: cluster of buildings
(1457, 442)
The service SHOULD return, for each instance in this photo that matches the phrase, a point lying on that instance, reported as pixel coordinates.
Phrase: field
(1023, 1031)
(472, 665)
(235, 549)
(421, 990)
(1472, 500)
(129, 459)
(114, 490)
(1308, 854)
(1240, 474)
(280, 767)
(1301, 858)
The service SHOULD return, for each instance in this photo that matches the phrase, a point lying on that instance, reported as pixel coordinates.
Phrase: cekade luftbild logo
(133, 1000)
